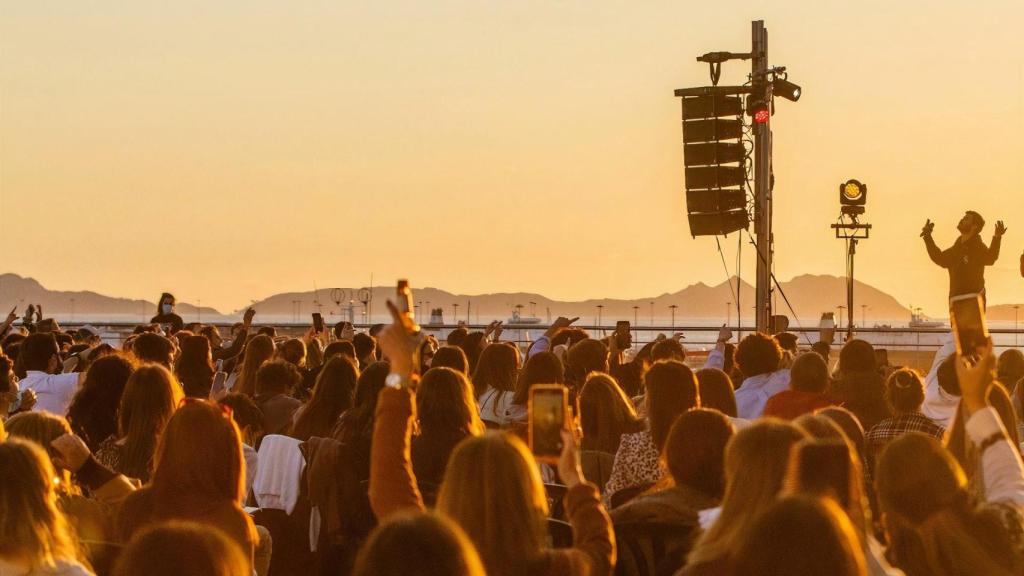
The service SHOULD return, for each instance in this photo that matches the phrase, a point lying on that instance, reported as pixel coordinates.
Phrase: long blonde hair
(257, 351)
(32, 529)
(493, 491)
(43, 428)
(756, 460)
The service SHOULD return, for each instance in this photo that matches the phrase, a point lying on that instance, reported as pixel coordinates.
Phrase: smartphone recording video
(967, 317)
(623, 338)
(548, 410)
(318, 322)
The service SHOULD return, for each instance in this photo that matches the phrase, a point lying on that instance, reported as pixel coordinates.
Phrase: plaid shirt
(898, 425)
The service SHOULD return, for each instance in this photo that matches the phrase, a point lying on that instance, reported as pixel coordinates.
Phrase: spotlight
(853, 193)
(786, 89)
(761, 115)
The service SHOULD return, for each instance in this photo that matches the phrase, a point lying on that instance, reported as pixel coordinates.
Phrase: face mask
(166, 308)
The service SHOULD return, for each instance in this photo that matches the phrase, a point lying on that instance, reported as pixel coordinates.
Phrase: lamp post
(455, 313)
(636, 311)
(600, 309)
(728, 313)
(652, 313)
(673, 309)
(841, 308)
(863, 316)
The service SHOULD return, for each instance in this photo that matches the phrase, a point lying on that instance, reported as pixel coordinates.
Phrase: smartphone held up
(967, 318)
(548, 409)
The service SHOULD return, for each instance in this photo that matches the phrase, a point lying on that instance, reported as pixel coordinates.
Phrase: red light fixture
(762, 115)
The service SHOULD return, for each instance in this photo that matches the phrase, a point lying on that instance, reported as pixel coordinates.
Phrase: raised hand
(569, 469)
(247, 318)
(724, 334)
(12, 316)
(1000, 228)
(928, 227)
(72, 453)
(975, 379)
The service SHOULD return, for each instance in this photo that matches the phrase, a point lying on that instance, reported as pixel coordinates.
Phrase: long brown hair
(755, 465)
(199, 460)
(541, 368)
(493, 491)
(671, 390)
(93, 412)
(931, 524)
(802, 535)
(194, 367)
(498, 368)
(435, 545)
(257, 351)
(444, 402)
(606, 413)
(333, 393)
(32, 529)
(150, 398)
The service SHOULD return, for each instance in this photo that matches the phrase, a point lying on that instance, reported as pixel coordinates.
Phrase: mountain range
(810, 295)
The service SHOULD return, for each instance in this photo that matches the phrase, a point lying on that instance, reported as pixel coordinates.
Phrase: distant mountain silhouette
(810, 295)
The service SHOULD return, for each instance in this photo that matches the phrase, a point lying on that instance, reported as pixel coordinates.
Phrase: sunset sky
(230, 150)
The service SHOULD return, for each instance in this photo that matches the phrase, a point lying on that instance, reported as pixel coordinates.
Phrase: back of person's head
(823, 349)
(671, 390)
(175, 548)
(418, 544)
(847, 422)
(497, 368)
(247, 416)
(42, 428)
(340, 347)
(268, 331)
(695, 450)
(947, 378)
(257, 351)
(150, 398)
(357, 424)
(333, 394)
(668, 349)
(758, 354)
(492, 489)
(809, 373)
(830, 469)
(717, 391)
(194, 367)
(199, 457)
(756, 460)
(1010, 367)
(39, 352)
(541, 368)
(904, 390)
(293, 351)
(455, 337)
(211, 333)
(820, 427)
(788, 342)
(450, 357)
(32, 529)
(93, 411)
(931, 526)
(445, 403)
(857, 356)
(366, 347)
(473, 344)
(606, 413)
(587, 356)
(277, 377)
(801, 535)
(153, 348)
(569, 337)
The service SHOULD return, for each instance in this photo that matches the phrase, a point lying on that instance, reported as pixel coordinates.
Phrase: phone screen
(548, 407)
(623, 339)
(219, 388)
(967, 316)
(318, 322)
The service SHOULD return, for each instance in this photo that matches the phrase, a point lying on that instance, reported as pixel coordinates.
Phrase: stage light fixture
(853, 193)
(762, 115)
(786, 89)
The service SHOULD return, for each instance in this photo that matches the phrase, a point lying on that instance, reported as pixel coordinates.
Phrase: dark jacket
(278, 410)
(966, 262)
(173, 319)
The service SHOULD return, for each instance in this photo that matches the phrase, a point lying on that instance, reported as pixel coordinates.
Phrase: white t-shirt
(53, 391)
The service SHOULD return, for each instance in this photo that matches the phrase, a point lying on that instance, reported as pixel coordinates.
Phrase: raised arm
(997, 239)
(1001, 463)
(593, 536)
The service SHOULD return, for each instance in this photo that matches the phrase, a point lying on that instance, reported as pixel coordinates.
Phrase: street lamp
(841, 308)
(673, 307)
(863, 315)
(600, 309)
(455, 313)
(652, 313)
(728, 313)
(636, 311)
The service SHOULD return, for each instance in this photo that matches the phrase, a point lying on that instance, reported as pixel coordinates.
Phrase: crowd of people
(186, 451)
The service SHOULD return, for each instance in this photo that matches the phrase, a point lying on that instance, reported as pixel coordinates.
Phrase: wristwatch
(395, 380)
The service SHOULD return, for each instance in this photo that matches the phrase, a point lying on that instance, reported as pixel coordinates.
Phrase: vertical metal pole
(762, 182)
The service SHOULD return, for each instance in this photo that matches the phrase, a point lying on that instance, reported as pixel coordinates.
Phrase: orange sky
(230, 150)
